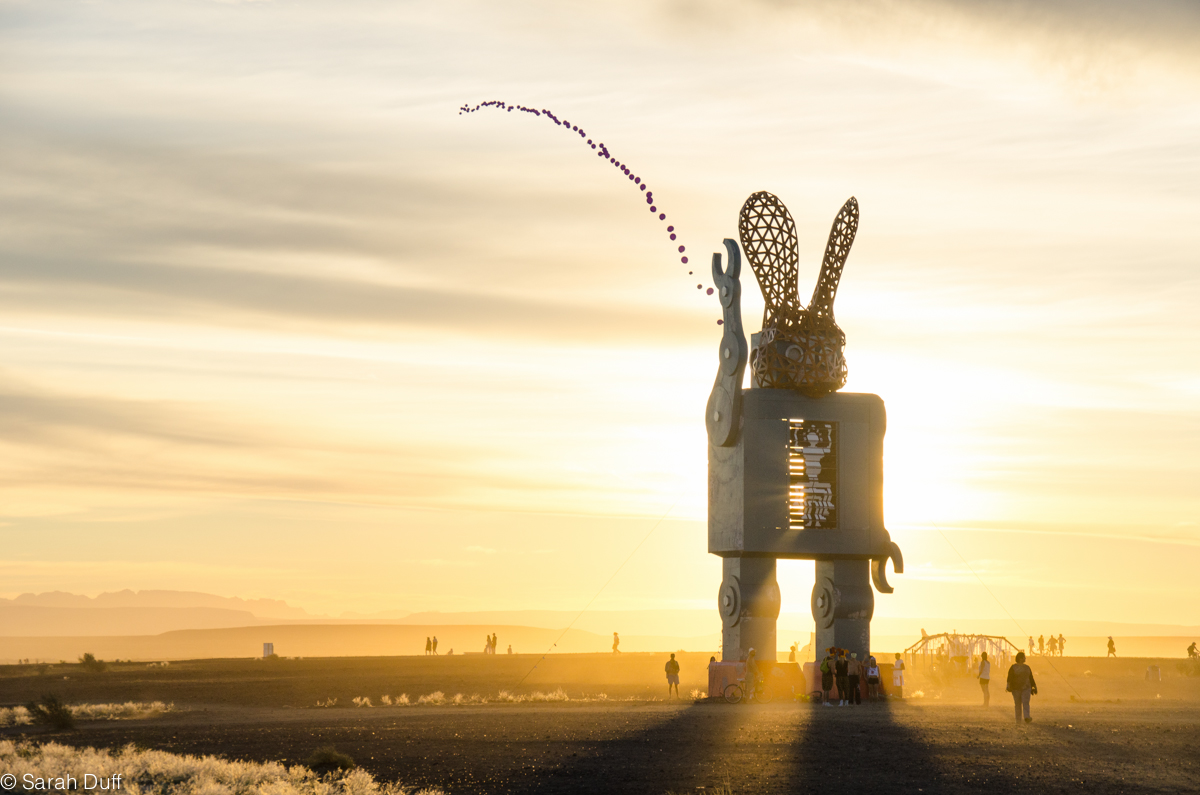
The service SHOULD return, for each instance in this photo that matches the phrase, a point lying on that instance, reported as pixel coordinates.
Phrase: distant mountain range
(262, 608)
(137, 613)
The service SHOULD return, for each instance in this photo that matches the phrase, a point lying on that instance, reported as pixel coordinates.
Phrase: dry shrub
(555, 695)
(52, 711)
(16, 716)
(436, 698)
(90, 663)
(328, 759)
(22, 716)
(164, 773)
(128, 710)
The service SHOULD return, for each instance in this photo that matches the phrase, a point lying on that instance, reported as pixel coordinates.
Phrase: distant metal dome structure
(953, 646)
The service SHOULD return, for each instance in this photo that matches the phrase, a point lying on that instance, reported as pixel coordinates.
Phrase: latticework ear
(768, 237)
(841, 237)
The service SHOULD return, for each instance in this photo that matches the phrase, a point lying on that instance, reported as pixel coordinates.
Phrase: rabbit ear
(768, 237)
(841, 237)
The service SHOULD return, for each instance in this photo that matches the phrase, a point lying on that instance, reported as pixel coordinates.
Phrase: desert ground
(1099, 726)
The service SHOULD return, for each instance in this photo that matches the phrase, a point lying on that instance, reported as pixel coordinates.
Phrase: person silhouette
(1112, 648)
(984, 676)
(1062, 642)
(428, 645)
(616, 643)
(672, 669)
(435, 644)
(1041, 644)
(1022, 685)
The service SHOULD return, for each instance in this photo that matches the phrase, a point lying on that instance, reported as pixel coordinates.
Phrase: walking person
(984, 676)
(428, 646)
(672, 669)
(1112, 648)
(1053, 644)
(854, 679)
(1041, 644)
(1031, 645)
(616, 643)
(827, 666)
(1022, 686)
(841, 672)
(1062, 644)
(435, 644)
(872, 678)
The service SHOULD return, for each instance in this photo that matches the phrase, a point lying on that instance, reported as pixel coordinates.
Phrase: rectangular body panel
(751, 511)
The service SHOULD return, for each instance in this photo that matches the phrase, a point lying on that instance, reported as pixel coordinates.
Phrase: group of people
(489, 645)
(1054, 647)
(431, 645)
(848, 672)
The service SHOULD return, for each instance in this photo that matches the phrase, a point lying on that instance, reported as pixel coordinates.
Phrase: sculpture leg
(842, 605)
(749, 605)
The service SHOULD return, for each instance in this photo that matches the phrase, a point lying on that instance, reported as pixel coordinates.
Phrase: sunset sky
(278, 321)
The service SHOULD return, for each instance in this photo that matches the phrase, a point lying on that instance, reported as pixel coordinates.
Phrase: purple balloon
(672, 236)
(662, 216)
(681, 249)
(670, 229)
(720, 322)
(683, 260)
(709, 291)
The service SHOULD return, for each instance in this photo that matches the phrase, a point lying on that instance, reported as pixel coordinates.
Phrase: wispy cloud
(261, 282)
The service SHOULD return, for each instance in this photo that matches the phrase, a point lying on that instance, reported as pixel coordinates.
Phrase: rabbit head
(800, 347)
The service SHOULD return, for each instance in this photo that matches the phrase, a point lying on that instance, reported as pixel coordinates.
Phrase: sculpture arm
(723, 413)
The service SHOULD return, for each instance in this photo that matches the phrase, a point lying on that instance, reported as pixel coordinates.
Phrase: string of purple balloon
(601, 151)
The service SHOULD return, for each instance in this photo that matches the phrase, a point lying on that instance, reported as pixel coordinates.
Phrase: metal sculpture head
(800, 348)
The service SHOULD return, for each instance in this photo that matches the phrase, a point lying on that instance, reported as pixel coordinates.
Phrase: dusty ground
(1142, 744)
